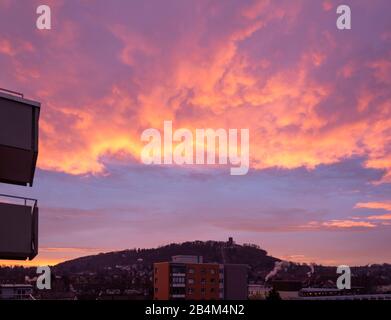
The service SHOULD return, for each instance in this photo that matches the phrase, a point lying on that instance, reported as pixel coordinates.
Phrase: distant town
(196, 270)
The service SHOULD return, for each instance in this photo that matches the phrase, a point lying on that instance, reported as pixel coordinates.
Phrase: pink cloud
(11, 47)
(327, 5)
(374, 205)
(386, 216)
(98, 97)
(345, 224)
(377, 206)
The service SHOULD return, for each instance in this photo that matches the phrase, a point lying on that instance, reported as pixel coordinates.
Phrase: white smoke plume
(279, 265)
(312, 267)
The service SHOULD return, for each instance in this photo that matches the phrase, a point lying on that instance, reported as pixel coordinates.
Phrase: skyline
(315, 99)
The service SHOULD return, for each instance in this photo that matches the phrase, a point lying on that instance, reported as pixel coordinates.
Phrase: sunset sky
(317, 102)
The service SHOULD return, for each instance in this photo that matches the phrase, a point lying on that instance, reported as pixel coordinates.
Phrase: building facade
(19, 119)
(16, 291)
(188, 278)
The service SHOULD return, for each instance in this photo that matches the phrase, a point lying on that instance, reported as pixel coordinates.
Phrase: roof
(20, 99)
(16, 286)
(320, 289)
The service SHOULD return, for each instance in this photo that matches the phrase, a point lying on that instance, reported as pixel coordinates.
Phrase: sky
(316, 101)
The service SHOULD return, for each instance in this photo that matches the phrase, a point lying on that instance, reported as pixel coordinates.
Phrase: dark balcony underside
(18, 231)
(17, 166)
(18, 139)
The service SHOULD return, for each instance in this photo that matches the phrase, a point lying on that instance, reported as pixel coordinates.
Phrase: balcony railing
(19, 119)
(18, 227)
(29, 202)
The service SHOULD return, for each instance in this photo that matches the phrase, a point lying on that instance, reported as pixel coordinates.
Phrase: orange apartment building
(188, 278)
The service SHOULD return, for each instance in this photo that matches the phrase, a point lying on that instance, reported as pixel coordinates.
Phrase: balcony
(18, 228)
(18, 138)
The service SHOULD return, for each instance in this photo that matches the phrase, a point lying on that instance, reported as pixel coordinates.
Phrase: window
(178, 269)
(212, 280)
(203, 291)
(212, 290)
(212, 271)
(191, 270)
(156, 289)
(177, 290)
(190, 291)
(178, 280)
(203, 270)
(191, 281)
(203, 281)
(155, 280)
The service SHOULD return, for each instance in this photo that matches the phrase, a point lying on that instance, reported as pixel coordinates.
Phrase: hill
(133, 269)
(212, 251)
(140, 262)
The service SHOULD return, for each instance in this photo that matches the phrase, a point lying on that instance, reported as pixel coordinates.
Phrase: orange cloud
(226, 94)
(13, 47)
(70, 250)
(327, 5)
(374, 205)
(386, 216)
(377, 206)
(6, 47)
(348, 224)
(336, 224)
(201, 79)
(35, 263)
(51, 256)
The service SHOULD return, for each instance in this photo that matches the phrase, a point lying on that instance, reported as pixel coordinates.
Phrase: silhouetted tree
(273, 295)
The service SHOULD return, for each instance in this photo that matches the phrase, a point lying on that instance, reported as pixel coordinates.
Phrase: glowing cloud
(207, 75)
(374, 205)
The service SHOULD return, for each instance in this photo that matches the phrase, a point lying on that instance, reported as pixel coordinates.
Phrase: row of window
(203, 271)
(203, 290)
(190, 270)
(180, 280)
(176, 269)
(190, 290)
(203, 281)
